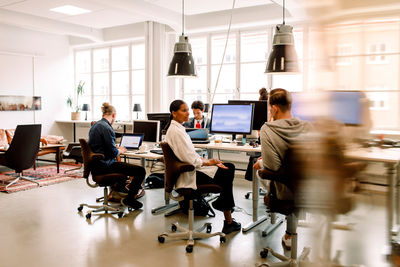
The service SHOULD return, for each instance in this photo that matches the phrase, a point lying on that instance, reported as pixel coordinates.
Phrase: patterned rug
(45, 175)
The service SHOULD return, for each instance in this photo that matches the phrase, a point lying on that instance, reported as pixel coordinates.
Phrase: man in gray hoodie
(276, 136)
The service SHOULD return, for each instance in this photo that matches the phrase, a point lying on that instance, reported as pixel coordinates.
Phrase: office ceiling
(110, 13)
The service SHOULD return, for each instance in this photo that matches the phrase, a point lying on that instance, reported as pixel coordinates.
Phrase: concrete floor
(41, 227)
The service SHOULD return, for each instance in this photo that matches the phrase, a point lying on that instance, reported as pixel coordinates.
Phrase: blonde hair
(107, 109)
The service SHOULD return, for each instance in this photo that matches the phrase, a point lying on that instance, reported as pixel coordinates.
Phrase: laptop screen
(197, 134)
(132, 141)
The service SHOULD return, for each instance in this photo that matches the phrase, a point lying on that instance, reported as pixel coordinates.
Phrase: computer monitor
(232, 119)
(162, 117)
(346, 106)
(260, 111)
(150, 130)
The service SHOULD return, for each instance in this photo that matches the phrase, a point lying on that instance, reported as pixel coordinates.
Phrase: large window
(112, 74)
(367, 59)
(242, 74)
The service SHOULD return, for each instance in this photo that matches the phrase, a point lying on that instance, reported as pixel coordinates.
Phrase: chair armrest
(184, 167)
(280, 176)
(96, 157)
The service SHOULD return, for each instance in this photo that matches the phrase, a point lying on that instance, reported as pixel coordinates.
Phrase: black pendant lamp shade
(182, 64)
(283, 57)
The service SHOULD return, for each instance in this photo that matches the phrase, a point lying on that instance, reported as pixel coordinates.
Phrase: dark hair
(174, 106)
(198, 105)
(281, 98)
(263, 94)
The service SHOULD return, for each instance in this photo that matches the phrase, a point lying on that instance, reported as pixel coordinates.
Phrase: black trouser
(137, 172)
(223, 178)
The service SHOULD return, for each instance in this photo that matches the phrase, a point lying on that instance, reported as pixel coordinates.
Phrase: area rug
(45, 175)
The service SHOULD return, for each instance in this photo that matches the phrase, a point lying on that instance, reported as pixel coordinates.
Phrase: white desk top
(147, 155)
(89, 121)
(228, 146)
(376, 154)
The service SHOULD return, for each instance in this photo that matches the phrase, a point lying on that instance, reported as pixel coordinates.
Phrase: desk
(391, 158)
(253, 152)
(74, 123)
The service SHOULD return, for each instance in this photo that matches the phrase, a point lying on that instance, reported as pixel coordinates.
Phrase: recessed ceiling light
(70, 10)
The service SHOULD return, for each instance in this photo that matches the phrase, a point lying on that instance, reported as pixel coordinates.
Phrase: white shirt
(183, 148)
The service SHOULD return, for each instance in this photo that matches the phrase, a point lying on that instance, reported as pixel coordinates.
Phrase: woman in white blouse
(208, 171)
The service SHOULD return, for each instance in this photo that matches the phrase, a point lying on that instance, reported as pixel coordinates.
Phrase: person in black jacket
(102, 140)
(198, 121)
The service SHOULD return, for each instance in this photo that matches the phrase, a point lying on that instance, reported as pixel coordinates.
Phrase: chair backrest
(173, 167)
(22, 153)
(88, 157)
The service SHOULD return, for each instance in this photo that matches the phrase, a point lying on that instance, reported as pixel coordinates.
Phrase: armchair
(173, 168)
(73, 151)
(21, 154)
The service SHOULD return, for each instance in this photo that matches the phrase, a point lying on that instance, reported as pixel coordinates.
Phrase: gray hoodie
(275, 138)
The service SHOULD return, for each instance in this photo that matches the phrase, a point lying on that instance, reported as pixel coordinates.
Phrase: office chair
(102, 180)
(302, 168)
(173, 168)
(21, 154)
(73, 151)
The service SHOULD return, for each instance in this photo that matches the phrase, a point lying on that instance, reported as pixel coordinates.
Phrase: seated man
(199, 121)
(102, 140)
(276, 136)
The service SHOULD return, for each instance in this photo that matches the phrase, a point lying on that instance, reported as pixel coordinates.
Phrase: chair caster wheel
(130, 209)
(80, 208)
(173, 228)
(120, 214)
(222, 239)
(264, 234)
(209, 228)
(161, 239)
(264, 253)
(88, 216)
(189, 249)
(247, 195)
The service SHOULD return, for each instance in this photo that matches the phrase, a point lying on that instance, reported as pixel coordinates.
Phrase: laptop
(131, 141)
(198, 136)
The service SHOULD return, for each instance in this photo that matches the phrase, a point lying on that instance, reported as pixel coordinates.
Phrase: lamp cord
(283, 12)
(183, 17)
(222, 61)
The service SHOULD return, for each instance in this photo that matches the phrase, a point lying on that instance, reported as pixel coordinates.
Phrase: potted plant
(76, 108)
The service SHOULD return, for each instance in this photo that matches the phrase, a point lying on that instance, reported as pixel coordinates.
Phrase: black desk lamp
(86, 108)
(137, 108)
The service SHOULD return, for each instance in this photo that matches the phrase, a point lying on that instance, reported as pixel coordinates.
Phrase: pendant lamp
(283, 57)
(182, 64)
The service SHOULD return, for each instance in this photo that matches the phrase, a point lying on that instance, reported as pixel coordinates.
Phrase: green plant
(79, 92)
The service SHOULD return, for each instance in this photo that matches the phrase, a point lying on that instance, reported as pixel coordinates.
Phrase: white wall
(35, 63)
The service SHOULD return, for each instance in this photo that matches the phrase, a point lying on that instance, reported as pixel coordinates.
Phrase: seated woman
(208, 171)
(102, 140)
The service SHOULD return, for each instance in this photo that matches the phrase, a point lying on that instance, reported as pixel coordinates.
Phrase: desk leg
(392, 206)
(143, 161)
(256, 220)
(74, 127)
(397, 194)
(58, 159)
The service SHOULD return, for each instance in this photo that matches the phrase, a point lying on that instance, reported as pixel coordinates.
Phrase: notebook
(132, 141)
(198, 136)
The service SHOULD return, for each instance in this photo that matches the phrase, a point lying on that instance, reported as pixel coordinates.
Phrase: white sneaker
(287, 241)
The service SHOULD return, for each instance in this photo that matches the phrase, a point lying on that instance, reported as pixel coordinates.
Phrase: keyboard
(156, 151)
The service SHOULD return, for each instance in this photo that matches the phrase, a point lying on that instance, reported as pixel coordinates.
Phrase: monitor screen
(346, 106)
(233, 119)
(162, 117)
(260, 111)
(150, 130)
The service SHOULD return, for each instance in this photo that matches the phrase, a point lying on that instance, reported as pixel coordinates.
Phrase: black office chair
(21, 154)
(173, 168)
(102, 180)
(73, 151)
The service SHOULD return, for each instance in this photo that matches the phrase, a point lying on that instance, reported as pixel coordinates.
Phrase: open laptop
(198, 136)
(131, 141)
